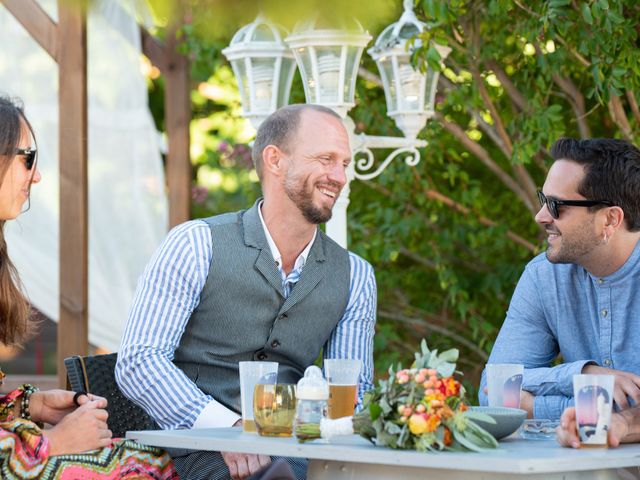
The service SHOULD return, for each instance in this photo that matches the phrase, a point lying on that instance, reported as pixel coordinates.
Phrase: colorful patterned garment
(24, 454)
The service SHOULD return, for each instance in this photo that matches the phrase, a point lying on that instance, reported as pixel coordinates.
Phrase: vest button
(262, 356)
(275, 344)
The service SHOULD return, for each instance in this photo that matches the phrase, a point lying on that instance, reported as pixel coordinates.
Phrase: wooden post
(72, 62)
(177, 119)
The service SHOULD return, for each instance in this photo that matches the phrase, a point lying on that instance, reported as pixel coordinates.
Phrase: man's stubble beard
(573, 251)
(303, 199)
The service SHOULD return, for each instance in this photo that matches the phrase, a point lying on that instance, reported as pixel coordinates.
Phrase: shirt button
(604, 312)
(282, 317)
(600, 281)
(607, 363)
(275, 344)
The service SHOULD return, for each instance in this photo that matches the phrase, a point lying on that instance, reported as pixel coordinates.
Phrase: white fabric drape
(127, 199)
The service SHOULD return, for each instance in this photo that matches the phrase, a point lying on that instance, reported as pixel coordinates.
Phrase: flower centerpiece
(418, 408)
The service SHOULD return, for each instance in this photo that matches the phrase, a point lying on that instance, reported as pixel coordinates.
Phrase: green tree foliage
(449, 237)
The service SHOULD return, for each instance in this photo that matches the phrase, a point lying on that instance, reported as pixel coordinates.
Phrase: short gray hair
(280, 127)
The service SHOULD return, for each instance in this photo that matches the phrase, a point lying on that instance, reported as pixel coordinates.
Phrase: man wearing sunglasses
(579, 300)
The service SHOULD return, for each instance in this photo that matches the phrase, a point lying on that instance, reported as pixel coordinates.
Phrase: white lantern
(410, 94)
(328, 60)
(263, 66)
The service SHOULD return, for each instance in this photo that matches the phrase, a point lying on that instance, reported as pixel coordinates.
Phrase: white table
(355, 458)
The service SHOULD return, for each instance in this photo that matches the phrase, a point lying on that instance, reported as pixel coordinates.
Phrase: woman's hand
(52, 406)
(81, 430)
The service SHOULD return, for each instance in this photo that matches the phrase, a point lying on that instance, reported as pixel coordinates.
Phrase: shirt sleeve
(551, 406)
(526, 338)
(353, 336)
(168, 292)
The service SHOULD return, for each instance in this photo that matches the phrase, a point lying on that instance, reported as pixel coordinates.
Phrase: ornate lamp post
(410, 94)
(328, 60)
(263, 66)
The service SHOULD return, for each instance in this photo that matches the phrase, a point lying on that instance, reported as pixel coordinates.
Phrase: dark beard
(304, 201)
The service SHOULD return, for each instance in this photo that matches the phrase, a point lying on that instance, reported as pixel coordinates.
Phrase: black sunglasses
(29, 156)
(554, 203)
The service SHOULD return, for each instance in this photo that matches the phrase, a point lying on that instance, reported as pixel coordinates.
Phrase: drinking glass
(274, 408)
(593, 395)
(504, 382)
(252, 373)
(342, 375)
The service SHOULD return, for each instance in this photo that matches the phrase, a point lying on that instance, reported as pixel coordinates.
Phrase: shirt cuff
(573, 368)
(216, 415)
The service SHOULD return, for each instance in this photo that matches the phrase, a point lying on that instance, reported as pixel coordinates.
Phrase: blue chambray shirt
(563, 309)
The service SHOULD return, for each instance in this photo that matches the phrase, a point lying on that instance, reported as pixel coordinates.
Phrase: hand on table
(567, 432)
(81, 430)
(627, 384)
(243, 465)
(52, 406)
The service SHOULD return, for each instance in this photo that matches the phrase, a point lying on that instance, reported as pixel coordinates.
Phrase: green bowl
(508, 420)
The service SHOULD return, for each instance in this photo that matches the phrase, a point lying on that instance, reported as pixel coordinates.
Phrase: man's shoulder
(223, 219)
(359, 264)
(541, 267)
(358, 260)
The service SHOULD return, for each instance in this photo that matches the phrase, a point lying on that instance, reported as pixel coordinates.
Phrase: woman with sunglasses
(78, 444)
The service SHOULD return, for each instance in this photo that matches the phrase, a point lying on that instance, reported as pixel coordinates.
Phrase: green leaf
(586, 14)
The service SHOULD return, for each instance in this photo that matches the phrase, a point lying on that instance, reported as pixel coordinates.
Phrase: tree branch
(573, 51)
(370, 76)
(485, 158)
(514, 94)
(435, 195)
(577, 103)
(427, 324)
(631, 98)
(619, 117)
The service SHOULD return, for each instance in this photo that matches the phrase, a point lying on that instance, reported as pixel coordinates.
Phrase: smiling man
(261, 284)
(580, 300)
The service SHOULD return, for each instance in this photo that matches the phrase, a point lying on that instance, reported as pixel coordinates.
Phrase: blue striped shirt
(168, 292)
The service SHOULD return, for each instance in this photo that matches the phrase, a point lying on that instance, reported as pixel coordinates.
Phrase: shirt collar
(630, 265)
(302, 258)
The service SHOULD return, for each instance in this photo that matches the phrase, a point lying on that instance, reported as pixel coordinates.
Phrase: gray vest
(243, 315)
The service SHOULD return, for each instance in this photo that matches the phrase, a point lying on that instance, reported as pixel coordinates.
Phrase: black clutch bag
(96, 374)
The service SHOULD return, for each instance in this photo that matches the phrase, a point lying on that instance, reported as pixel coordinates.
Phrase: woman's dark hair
(611, 172)
(15, 311)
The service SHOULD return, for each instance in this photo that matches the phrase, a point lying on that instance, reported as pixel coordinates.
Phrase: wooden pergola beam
(35, 20)
(177, 119)
(74, 246)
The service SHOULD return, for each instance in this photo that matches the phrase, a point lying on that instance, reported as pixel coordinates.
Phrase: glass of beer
(252, 373)
(342, 375)
(274, 408)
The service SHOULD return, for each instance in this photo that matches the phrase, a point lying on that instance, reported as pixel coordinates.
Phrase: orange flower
(433, 421)
(446, 412)
(448, 438)
(452, 387)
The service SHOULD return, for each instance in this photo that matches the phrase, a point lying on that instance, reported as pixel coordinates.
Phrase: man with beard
(261, 284)
(579, 300)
